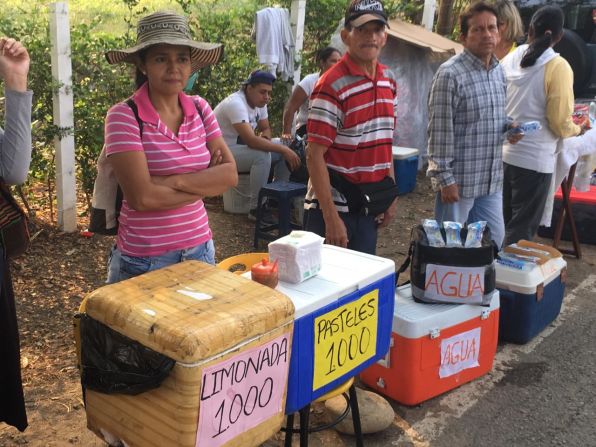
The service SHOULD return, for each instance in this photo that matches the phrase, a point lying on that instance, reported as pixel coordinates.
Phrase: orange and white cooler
(434, 348)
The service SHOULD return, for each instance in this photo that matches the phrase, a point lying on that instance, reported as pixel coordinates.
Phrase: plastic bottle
(513, 261)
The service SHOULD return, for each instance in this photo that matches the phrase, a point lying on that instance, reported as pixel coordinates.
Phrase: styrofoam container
(347, 279)
(236, 200)
(405, 163)
(530, 300)
(435, 348)
(207, 320)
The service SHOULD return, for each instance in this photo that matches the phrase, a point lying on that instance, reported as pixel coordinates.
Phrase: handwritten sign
(454, 284)
(345, 338)
(459, 352)
(242, 391)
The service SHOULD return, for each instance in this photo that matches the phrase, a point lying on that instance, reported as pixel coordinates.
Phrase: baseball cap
(260, 77)
(363, 11)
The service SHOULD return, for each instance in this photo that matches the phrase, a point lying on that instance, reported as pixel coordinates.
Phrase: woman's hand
(14, 64)
(286, 139)
(216, 157)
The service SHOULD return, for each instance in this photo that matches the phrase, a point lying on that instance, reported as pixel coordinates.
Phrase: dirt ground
(60, 269)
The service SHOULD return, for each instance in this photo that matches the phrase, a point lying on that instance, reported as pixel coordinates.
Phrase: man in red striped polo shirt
(350, 132)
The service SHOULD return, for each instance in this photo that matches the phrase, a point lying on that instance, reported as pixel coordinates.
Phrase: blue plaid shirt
(466, 124)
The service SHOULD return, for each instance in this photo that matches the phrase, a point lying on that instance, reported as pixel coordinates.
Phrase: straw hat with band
(168, 28)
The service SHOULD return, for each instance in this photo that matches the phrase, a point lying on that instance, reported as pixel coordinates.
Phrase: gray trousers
(524, 197)
(258, 163)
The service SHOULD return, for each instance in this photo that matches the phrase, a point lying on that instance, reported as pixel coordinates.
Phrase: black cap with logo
(361, 12)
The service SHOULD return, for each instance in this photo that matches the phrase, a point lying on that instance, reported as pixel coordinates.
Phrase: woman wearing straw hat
(166, 150)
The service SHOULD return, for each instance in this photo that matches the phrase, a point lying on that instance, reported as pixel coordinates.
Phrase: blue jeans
(121, 266)
(362, 230)
(473, 209)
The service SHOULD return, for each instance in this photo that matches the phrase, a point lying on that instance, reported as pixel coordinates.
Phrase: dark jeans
(524, 197)
(362, 230)
(12, 401)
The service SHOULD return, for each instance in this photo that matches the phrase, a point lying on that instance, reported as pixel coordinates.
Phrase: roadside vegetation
(98, 26)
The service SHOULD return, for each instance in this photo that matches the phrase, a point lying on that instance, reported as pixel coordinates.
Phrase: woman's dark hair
(325, 53)
(546, 27)
(473, 10)
(140, 77)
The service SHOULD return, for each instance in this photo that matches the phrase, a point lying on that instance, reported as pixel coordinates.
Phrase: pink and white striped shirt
(152, 233)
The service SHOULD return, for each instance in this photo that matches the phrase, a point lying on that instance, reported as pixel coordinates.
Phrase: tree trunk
(445, 19)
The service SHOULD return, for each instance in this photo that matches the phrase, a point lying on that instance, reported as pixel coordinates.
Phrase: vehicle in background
(578, 45)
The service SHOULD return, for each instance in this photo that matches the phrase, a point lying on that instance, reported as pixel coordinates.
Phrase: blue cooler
(405, 163)
(342, 322)
(530, 300)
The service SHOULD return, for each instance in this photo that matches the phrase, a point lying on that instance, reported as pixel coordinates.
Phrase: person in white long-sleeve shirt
(15, 138)
(15, 156)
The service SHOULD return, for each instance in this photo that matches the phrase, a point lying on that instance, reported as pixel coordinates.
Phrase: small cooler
(230, 339)
(343, 322)
(530, 300)
(435, 348)
(405, 163)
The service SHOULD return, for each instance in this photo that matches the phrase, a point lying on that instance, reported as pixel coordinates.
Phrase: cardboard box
(231, 340)
(435, 348)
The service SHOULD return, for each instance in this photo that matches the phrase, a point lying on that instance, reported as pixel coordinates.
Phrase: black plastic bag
(112, 363)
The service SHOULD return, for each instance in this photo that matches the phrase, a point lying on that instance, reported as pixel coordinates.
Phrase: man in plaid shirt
(466, 124)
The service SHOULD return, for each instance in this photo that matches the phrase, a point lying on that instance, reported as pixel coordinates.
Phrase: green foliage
(231, 24)
(34, 35)
(410, 11)
(96, 27)
(96, 86)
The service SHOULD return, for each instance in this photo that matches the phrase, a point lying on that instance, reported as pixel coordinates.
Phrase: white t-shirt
(308, 85)
(234, 110)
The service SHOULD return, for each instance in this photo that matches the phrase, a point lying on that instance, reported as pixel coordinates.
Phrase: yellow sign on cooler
(345, 338)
